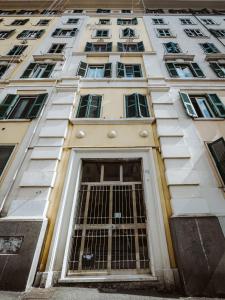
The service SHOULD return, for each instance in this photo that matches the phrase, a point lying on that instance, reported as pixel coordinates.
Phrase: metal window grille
(109, 234)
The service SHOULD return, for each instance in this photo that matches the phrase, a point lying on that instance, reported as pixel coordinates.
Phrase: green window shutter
(188, 105)
(48, 70)
(109, 47)
(140, 46)
(73, 32)
(108, 70)
(119, 22)
(217, 105)
(120, 70)
(37, 106)
(134, 21)
(40, 33)
(28, 70)
(137, 70)
(7, 105)
(82, 69)
(83, 106)
(131, 102)
(120, 47)
(56, 32)
(217, 149)
(216, 68)
(172, 70)
(94, 106)
(143, 106)
(21, 34)
(88, 47)
(198, 72)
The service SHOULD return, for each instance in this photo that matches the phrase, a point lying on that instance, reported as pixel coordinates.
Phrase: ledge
(48, 56)
(174, 56)
(214, 56)
(11, 58)
(130, 54)
(77, 121)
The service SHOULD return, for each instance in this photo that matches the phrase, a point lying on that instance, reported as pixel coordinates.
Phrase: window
(208, 21)
(56, 48)
(96, 47)
(186, 21)
(194, 33)
(72, 21)
(219, 69)
(133, 47)
(22, 107)
(89, 106)
(203, 106)
(136, 106)
(5, 153)
(217, 150)
(37, 70)
(94, 71)
(50, 12)
(104, 21)
(30, 34)
(3, 69)
(128, 33)
(128, 71)
(164, 32)
(43, 22)
(178, 11)
(110, 233)
(101, 33)
(172, 47)
(17, 50)
(103, 11)
(209, 48)
(182, 70)
(133, 21)
(19, 22)
(64, 32)
(7, 12)
(218, 32)
(78, 11)
(27, 12)
(158, 21)
(126, 11)
(6, 34)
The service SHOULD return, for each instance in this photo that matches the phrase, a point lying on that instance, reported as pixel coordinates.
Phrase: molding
(176, 56)
(214, 56)
(129, 54)
(50, 57)
(86, 121)
(11, 58)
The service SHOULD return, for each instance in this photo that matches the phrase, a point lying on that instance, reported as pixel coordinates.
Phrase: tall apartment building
(112, 152)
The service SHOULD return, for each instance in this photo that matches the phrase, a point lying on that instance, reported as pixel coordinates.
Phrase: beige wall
(12, 132)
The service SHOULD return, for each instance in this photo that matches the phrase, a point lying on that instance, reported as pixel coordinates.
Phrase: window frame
(164, 36)
(9, 161)
(139, 117)
(86, 117)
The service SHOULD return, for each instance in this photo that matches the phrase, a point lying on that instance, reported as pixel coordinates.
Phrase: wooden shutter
(48, 70)
(172, 70)
(108, 70)
(140, 46)
(40, 33)
(21, 34)
(94, 106)
(37, 106)
(7, 105)
(119, 22)
(137, 70)
(198, 72)
(83, 106)
(143, 106)
(88, 47)
(217, 149)
(82, 69)
(217, 105)
(56, 32)
(131, 106)
(216, 68)
(109, 47)
(73, 32)
(28, 70)
(134, 21)
(120, 70)
(188, 105)
(120, 47)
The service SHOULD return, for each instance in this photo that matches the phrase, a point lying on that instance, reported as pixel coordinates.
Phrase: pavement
(74, 293)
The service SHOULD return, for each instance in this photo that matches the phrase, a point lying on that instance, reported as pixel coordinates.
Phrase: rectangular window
(209, 48)
(37, 70)
(60, 32)
(103, 11)
(172, 47)
(136, 106)
(208, 21)
(219, 69)
(186, 21)
(5, 153)
(6, 34)
(94, 71)
(133, 21)
(22, 107)
(218, 32)
(78, 11)
(158, 21)
(30, 34)
(164, 32)
(128, 71)
(110, 221)
(89, 106)
(56, 48)
(50, 12)
(43, 22)
(101, 33)
(128, 33)
(194, 33)
(72, 21)
(97, 47)
(104, 21)
(203, 106)
(17, 50)
(7, 12)
(3, 69)
(126, 11)
(217, 150)
(130, 47)
(182, 70)
(19, 22)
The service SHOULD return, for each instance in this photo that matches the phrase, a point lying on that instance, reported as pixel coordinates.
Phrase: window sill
(49, 56)
(208, 119)
(174, 56)
(15, 120)
(11, 58)
(106, 79)
(122, 121)
(214, 56)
